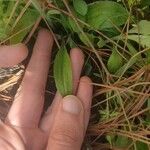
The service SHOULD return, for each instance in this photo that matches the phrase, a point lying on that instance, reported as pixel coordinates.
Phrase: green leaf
(3, 31)
(110, 138)
(101, 43)
(122, 141)
(145, 3)
(148, 56)
(115, 61)
(126, 66)
(141, 146)
(132, 50)
(88, 68)
(63, 72)
(133, 2)
(73, 25)
(38, 7)
(85, 37)
(143, 27)
(1, 8)
(106, 14)
(148, 113)
(10, 6)
(72, 22)
(141, 33)
(143, 40)
(24, 25)
(80, 6)
(53, 12)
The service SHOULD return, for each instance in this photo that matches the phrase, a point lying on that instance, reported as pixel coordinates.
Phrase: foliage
(15, 21)
(63, 72)
(112, 64)
(99, 17)
(80, 6)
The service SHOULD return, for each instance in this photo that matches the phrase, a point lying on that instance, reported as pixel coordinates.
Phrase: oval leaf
(143, 40)
(24, 25)
(84, 38)
(143, 27)
(106, 14)
(63, 72)
(115, 62)
(80, 6)
(73, 25)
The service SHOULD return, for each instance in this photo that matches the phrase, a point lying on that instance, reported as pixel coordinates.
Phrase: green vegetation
(115, 36)
(17, 18)
(63, 72)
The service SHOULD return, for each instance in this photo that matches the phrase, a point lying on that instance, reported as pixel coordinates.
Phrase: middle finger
(28, 104)
(77, 61)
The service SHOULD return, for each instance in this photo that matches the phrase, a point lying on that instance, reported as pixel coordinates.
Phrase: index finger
(28, 104)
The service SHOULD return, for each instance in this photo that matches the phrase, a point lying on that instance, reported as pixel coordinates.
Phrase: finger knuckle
(66, 137)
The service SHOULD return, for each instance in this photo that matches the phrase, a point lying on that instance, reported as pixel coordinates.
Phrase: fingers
(84, 93)
(71, 119)
(27, 107)
(12, 55)
(68, 125)
(77, 61)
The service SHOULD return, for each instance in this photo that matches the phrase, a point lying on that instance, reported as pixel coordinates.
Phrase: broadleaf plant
(141, 33)
(80, 6)
(10, 30)
(24, 26)
(63, 72)
(115, 61)
(106, 14)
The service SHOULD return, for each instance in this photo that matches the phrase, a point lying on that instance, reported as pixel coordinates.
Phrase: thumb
(68, 129)
(12, 55)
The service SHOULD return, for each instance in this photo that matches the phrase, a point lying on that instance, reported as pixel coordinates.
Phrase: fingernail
(71, 104)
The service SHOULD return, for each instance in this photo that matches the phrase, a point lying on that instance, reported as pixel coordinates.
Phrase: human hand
(64, 124)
